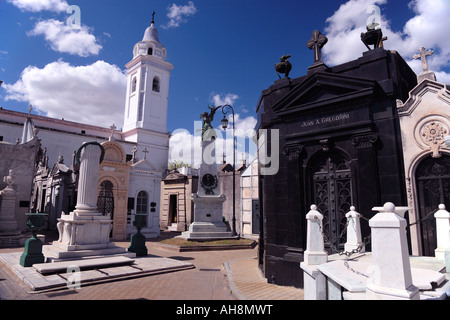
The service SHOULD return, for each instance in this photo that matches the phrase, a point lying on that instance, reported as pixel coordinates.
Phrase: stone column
(314, 280)
(391, 277)
(354, 239)
(88, 180)
(442, 232)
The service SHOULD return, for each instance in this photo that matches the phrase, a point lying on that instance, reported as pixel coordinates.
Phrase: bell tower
(145, 118)
(148, 84)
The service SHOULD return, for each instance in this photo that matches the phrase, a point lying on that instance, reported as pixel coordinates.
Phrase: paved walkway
(218, 275)
(248, 283)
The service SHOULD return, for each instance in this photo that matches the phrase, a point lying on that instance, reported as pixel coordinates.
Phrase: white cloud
(427, 28)
(66, 39)
(92, 94)
(39, 5)
(177, 14)
(223, 99)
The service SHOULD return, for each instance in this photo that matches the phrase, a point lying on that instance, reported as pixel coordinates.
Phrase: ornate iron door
(433, 188)
(333, 197)
(105, 200)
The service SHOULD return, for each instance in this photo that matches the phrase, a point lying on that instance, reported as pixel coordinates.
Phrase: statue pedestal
(82, 236)
(208, 223)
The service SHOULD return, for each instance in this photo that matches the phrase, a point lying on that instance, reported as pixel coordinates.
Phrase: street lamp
(225, 126)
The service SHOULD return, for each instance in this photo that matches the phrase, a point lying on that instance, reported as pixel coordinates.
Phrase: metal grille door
(333, 197)
(433, 188)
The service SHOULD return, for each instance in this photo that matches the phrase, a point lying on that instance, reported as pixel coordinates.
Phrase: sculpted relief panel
(430, 134)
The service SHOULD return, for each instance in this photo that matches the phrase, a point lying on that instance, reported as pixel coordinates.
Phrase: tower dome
(151, 33)
(150, 45)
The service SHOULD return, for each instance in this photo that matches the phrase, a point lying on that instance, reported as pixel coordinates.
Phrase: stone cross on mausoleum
(423, 57)
(316, 43)
(113, 129)
(145, 151)
(425, 74)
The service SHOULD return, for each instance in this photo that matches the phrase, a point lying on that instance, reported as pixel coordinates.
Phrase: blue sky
(220, 49)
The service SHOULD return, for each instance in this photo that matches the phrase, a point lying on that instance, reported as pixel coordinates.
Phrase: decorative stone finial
(373, 36)
(389, 207)
(284, 66)
(10, 179)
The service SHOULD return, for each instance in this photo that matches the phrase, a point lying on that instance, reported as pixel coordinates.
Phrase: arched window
(155, 84)
(150, 51)
(142, 203)
(133, 84)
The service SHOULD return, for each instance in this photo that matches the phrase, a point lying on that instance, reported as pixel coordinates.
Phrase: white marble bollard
(314, 255)
(442, 232)
(354, 239)
(390, 277)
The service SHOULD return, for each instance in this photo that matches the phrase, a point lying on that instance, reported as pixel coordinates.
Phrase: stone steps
(86, 264)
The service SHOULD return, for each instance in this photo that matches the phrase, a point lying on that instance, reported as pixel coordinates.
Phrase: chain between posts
(366, 239)
(424, 218)
(333, 247)
(365, 242)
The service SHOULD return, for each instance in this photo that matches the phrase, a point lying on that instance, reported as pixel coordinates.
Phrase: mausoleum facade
(339, 146)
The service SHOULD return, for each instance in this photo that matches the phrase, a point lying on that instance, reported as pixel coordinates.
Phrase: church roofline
(53, 120)
(44, 123)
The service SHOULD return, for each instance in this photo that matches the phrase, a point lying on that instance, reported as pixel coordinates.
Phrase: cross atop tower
(316, 43)
(423, 57)
(153, 17)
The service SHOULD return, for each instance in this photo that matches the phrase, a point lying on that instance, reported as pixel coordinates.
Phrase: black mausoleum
(339, 145)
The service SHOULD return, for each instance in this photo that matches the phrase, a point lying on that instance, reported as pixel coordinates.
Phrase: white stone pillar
(354, 239)
(390, 277)
(88, 181)
(315, 254)
(8, 222)
(442, 232)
